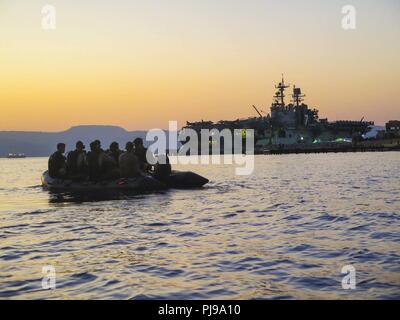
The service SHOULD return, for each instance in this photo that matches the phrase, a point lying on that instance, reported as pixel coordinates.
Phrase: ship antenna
(297, 96)
(280, 94)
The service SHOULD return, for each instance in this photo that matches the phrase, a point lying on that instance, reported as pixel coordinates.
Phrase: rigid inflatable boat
(144, 183)
(185, 180)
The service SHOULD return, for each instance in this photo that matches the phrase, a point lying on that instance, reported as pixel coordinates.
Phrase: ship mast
(280, 94)
(297, 96)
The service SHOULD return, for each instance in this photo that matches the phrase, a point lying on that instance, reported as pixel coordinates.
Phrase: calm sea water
(283, 233)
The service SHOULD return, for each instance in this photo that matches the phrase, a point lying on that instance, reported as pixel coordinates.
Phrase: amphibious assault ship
(16, 155)
(291, 126)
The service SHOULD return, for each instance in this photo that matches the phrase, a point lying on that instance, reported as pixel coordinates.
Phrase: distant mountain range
(39, 144)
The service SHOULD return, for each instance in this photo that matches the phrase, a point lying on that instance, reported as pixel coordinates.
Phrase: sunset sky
(139, 64)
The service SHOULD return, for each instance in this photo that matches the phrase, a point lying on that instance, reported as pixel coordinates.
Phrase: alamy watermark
(349, 20)
(49, 18)
(204, 147)
(349, 280)
(49, 277)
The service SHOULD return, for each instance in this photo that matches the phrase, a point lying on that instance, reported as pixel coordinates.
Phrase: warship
(16, 155)
(291, 126)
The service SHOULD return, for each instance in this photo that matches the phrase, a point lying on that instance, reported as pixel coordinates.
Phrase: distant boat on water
(16, 155)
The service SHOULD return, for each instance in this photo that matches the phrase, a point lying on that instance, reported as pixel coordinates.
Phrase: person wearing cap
(100, 165)
(141, 152)
(129, 163)
(76, 162)
(162, 168)
(114, 152)
(92, 161)
(57, 163)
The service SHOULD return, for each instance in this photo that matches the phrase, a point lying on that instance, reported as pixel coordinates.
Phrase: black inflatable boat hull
(185, 180)
(177, 180)
(140, 184)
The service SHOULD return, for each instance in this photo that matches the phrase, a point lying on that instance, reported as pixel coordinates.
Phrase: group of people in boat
(100, 165)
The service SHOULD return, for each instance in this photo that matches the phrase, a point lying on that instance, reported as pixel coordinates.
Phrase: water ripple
(283, 233)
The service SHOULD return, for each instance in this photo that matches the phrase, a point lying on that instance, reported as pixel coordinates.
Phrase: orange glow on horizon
(141, 68)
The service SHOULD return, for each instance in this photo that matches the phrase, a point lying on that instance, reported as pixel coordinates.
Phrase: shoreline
(284, 152)
(327, 150)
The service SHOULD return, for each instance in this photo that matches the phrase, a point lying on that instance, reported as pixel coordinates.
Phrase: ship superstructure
(290, 124)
